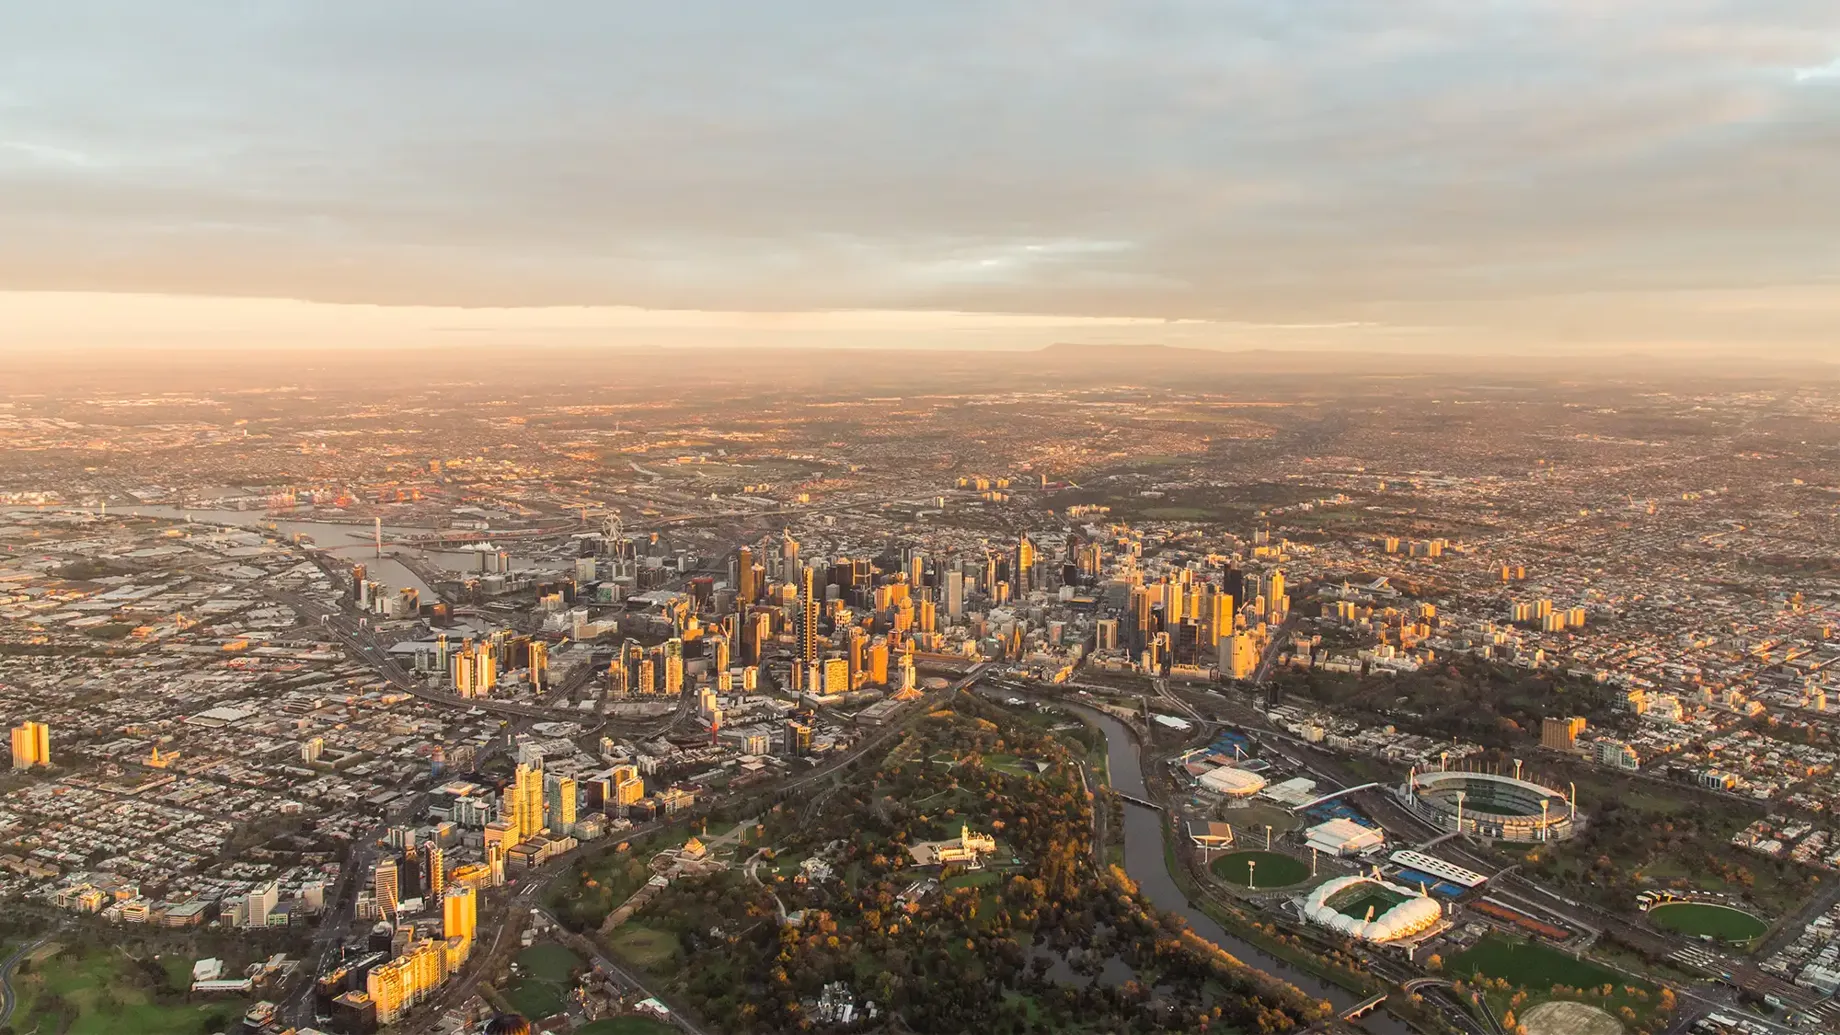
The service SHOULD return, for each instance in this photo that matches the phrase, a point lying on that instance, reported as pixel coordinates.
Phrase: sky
(1527, 175)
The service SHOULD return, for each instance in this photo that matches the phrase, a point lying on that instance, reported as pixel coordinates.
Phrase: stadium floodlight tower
(1545, 818)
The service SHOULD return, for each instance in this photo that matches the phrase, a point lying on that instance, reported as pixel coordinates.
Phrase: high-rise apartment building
(31, 745)
(460, 914)
(386, 888)
(798, 737)
(628, 787)
(564, 795)
(836, 676)
(1561, 734)
(674, 666)
(434, 869)
(521, 804)
(1239, 656)
(260, 903)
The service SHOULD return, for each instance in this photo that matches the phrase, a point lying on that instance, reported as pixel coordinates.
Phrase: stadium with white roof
(1371, 909)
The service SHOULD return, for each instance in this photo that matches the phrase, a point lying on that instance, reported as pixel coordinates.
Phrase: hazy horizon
(1411, 178)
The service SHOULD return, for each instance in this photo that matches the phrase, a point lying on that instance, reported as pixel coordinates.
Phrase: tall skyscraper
(808, 617)
(745, 589)
(31, 745)
(386, 889)
(564, 795)
(674, 666)
(632, 657)
(1239, 656)
(760, 631)
(955, 594)
(1220, 617)
(460, 914)
(531, 819)
(789, 556)
(434, 869)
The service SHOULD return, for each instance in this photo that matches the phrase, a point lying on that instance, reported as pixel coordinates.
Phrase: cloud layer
(1561, 172)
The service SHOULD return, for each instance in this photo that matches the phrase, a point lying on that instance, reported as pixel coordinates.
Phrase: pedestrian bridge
(1363, 1008)
(1332, 795)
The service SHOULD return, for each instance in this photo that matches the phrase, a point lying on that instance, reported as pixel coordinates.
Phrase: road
(7, 999)
(626, 977)
(529, 886)
(361, 642)
(1581, 915)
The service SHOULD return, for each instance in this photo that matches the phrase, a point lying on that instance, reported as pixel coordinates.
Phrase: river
(1144, 861)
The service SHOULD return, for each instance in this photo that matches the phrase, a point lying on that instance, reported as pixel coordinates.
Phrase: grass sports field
(1357, 900)
(1708, 918)
(1529, 965)
(1266, 869)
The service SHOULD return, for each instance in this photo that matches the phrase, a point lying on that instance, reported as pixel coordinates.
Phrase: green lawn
(1708, 918)
(648, 947)
(1540, 969)
(1261, 869)
(1009, 765)
(631, 1024)
(1528, 964)
(974, 879)
(598, 886)
(542, 989)
(105, 993)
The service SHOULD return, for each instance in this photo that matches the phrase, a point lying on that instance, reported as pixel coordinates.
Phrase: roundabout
(1260, 870)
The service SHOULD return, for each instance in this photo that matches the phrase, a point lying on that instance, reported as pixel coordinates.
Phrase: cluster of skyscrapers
(473, 670)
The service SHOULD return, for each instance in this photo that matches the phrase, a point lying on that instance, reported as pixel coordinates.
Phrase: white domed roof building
(1232, 782)
(1371, 909)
